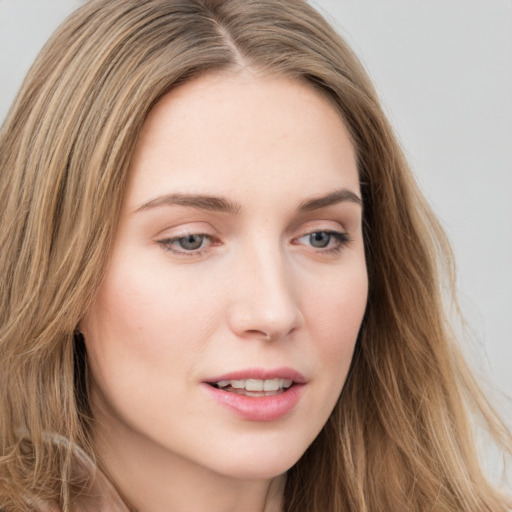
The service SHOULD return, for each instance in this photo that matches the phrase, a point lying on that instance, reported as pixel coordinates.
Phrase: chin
(263, 464)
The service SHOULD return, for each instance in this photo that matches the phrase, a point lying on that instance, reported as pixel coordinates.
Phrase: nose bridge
(265, 303)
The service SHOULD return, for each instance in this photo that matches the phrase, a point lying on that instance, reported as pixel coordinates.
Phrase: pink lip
(261, 408)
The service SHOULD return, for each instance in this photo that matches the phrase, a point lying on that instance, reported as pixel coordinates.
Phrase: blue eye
(188, 244)
(326, 240)
(191, 242)
(320, 239)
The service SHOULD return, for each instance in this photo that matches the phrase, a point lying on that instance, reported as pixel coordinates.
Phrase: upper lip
(261, 374)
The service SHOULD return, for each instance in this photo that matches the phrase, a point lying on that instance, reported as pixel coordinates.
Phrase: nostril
(258, 332)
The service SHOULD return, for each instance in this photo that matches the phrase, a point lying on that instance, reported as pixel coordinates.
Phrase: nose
(264, 302)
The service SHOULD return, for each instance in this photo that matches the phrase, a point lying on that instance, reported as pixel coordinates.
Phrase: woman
(221, 284)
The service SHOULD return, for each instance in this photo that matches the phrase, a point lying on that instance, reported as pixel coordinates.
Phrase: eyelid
(334, 229)
(167, 238)
(167, 244)
(184, 228)
(319, 225)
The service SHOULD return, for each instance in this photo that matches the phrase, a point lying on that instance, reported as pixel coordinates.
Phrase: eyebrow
(221, 204)
(338, 196)
(200, 202)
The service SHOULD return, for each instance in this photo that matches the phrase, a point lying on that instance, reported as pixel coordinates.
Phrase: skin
(258, 293)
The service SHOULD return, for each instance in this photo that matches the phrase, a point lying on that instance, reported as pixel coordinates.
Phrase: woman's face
(225, 326)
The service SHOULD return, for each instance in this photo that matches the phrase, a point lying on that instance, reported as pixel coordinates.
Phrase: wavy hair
(400, 437)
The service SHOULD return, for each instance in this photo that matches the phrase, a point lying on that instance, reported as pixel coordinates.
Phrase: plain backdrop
(443, 69)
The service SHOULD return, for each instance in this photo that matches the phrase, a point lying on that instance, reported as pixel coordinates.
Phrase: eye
(325, 240)
(191, 242)
(319, 239)
(188, 244)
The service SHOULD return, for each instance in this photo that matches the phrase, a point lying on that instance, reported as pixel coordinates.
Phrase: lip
(262, 374)
(261, 408)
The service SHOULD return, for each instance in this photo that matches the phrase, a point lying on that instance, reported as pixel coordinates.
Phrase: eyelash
(167, 244)
(340, 238)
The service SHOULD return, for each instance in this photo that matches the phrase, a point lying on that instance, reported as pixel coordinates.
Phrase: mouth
(258, 394)
(254, 387)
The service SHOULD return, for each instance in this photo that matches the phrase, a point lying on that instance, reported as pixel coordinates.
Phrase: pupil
(320, 239)
(191, 242)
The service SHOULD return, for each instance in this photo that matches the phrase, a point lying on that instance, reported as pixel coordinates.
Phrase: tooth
(254, 385)
(272, 385)
(250, 393)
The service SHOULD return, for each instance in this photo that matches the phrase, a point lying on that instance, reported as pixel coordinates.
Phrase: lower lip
(258, 408)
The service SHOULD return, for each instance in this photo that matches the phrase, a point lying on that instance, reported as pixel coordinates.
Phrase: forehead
(224, 130)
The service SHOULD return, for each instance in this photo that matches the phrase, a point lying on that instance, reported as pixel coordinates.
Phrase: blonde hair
(400, 437)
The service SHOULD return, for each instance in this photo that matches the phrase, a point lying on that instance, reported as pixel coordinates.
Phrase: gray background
(443, 69)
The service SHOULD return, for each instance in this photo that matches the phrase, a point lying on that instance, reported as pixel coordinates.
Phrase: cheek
(145, 322)
(335, 313)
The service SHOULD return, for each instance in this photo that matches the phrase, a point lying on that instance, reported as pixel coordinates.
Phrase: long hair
(400, 436)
